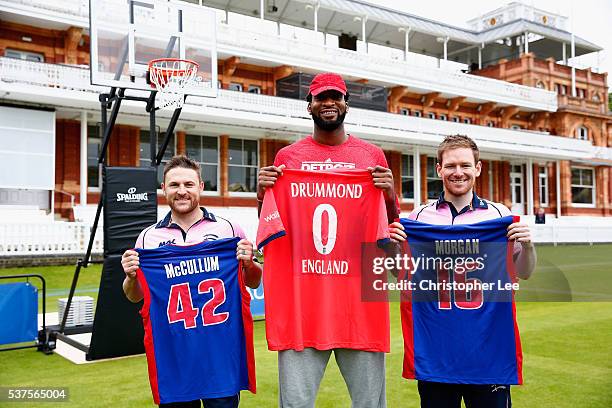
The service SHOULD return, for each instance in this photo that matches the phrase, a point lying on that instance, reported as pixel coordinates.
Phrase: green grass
(567, 349)
(58, 280)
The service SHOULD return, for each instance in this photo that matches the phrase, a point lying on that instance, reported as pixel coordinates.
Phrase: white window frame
(543, 183)
(417, 114)
(467, 121)
(254, 89)
(408, 156)
(218, 164)
(516, 127)
(456, 119)
(404, 111)
(91, 189)
(431, 115)
(427, 178)
(242, 193)
(23, 55)
(582, 133)
(593, 188)
(236, 85)
(442, 117)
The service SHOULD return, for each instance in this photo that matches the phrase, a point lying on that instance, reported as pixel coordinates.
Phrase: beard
(328, 125)
(182, 209)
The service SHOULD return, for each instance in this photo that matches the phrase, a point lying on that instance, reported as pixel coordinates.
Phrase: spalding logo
(132, 196)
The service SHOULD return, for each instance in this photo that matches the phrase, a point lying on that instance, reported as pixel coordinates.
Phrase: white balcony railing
(310, 54)
(47, 238)
(291, 115)
(301, 53)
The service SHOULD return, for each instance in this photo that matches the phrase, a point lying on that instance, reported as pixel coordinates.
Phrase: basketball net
(171, 76)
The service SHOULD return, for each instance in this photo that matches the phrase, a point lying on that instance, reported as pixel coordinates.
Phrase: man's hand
(244, 252)
(131, 287)
(396, 232)
(383, 179)
(520, 232)
(130, 263)
(251, 270)
(526, 259)
(267, 178)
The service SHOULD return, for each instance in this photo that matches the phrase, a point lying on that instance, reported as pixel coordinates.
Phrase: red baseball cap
(325, 82)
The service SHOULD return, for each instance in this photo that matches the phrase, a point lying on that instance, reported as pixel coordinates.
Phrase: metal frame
(112, 101)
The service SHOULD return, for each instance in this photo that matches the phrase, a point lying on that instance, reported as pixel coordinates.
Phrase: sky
(592, 19)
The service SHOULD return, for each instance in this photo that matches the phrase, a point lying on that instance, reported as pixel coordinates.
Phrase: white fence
(57, 238)
(47, 238)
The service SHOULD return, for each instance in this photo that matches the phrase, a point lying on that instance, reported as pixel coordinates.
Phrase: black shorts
(442, 395)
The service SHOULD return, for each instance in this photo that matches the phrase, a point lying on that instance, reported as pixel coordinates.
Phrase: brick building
(543, 127)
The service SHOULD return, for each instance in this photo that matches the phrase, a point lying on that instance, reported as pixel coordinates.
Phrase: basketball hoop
(170, 76)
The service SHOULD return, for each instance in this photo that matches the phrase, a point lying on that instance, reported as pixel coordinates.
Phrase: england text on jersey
(191, 266)
(323, 267)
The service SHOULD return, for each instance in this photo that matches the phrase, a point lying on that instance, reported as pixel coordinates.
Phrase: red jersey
(354, 153)
(313, 225)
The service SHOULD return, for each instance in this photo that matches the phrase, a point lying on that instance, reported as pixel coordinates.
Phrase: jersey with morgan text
(459, 317)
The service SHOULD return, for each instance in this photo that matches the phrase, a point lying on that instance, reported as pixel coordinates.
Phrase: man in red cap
(329, 147)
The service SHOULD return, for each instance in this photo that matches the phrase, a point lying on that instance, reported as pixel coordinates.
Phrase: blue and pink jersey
(198, 326)
(454, 334)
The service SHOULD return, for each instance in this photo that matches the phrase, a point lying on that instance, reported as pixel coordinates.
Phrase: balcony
(69, 87)
(297, 52)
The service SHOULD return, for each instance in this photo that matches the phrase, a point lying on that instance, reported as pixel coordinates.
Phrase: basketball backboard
(127, 34)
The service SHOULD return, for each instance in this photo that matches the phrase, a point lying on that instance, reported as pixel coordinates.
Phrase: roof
(385, 26)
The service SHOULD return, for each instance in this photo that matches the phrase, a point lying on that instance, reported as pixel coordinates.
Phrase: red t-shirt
(354, 153)
(313, 225)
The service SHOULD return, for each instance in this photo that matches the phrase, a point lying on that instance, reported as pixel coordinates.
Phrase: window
(582, 133)
(580, 92)
(94, 142)
(442, 117)
(434, 183)
(431, 115)
(407, 176)
(404, 111)
(561, 89)
(583, 186)
(417, 113)
(515, 127)
(455, 119)
(467, 121)
(254, 89)
(540, 85)
(145, 152)
(233, 86)
(543, 181)
(205, 150)
(596, 97)
(242, 165)
(490, 123)
(219, 84)
(24, 55)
